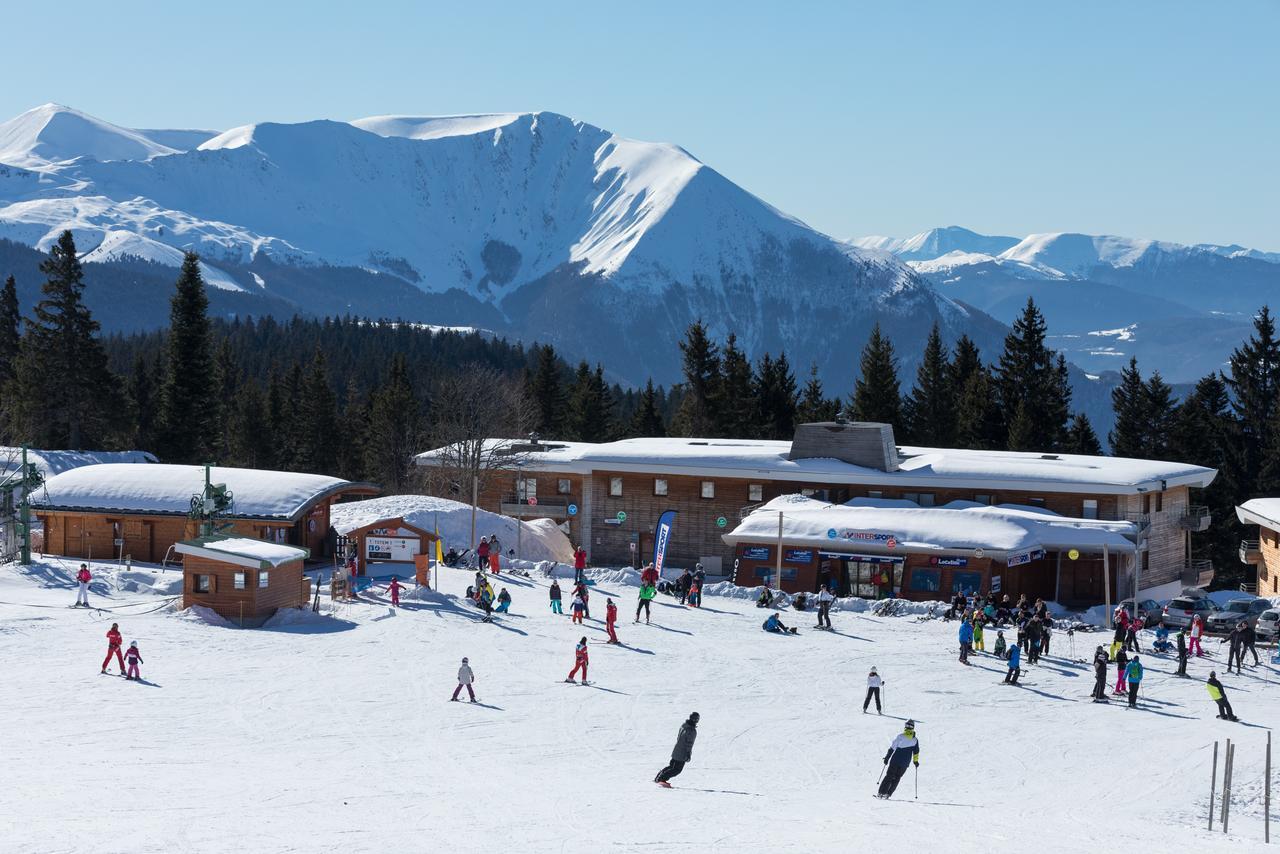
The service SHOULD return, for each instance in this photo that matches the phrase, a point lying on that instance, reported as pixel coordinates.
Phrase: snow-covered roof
(920, 467)
(242, 551)
(962, 526)
(50, 463)
(1260, 511)
(167, 489)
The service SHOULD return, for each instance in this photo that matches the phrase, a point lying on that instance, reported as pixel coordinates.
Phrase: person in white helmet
(873, 690)
(465, 677)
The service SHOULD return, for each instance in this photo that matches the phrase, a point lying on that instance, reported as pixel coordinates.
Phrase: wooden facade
(392, 528)
(241, 594)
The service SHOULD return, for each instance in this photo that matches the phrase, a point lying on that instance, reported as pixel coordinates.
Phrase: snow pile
(205, 616)
(539, 539)
(289, 618)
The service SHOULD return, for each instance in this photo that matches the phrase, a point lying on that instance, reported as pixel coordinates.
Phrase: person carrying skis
(465, 679)
(1133, 673)
(1122, 664)
(394, 587)
(83, 577)
(682, 752)
(824, 606)
(504, 601)
(774, 624)
(114, 640)
(904, 751)
(1219, 695)
(1015, 660)
(1100, 662)
(1197, 629)
(966, 640)
(579, 661)
(611, 618)
(578, 607)
(1182, 653)
(874, 682)
(555, 597)
(1001, 649)
(579, 564)
(977, 635)
(134, 658)
(647, 592)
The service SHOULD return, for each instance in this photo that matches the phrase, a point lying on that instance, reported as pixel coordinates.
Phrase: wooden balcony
(545, 508)
(1250, 552)
(1197, 572)
(1196, 519)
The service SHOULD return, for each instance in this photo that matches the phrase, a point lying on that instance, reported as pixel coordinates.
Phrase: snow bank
(205, 616)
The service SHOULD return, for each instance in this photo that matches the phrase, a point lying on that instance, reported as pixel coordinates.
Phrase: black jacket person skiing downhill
(904, 751)
(681, 753)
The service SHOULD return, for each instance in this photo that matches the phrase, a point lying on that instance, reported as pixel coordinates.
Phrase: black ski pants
(824, 614)
(1250, 648)
(673, 769)
(643, 606)
(1133, 694)
(1012, 676)
(892, 776)
(1182, 664)
(1044, 644)
(1099, 684)
(871, 692)
(1224, 708)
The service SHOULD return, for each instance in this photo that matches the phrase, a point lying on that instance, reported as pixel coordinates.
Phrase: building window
(526, 488)
(238, 580)
(1089, 509)
(967, 583)
(202, 583)
(262, 578)
(1146, 503)
(926, 580)
(1035, 502)
(708, 489)
(924, 499)
(563, 486)
(875, 493)
(755, 492)
(615, 486)
(983, 498)
(659, 486)
(1159, 501)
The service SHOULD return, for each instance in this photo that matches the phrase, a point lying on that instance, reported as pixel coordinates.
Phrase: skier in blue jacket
(1015, 658)
(904, 751)
(1133, 673)
(966, 640)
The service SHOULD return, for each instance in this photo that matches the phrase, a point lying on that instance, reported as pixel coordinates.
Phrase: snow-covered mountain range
(530, 224)
(1105, 297)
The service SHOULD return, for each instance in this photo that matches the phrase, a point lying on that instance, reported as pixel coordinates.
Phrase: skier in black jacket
(1100, 663)
(681, 753)
(904, 751)
(1182, 653)
(1248, 638)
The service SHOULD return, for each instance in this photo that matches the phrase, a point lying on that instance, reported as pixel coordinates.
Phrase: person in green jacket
(977, 635)
(647, 592)
(1133, 675)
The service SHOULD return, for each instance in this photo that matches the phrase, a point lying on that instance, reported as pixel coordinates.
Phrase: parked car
(1148, 611)
(1177, 614)
(1236, 611)
(1268, 625)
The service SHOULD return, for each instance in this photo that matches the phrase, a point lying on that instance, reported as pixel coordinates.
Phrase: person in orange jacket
(611, 617)
(114, 640)
(579, 661)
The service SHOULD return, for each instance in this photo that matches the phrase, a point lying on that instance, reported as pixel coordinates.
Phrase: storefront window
(771, 573)
(926, 580)
(967, 583)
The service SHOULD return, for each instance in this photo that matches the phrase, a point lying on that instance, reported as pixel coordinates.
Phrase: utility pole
(778, 561)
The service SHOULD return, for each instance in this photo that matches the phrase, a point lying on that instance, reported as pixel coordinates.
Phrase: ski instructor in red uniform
(114, 641)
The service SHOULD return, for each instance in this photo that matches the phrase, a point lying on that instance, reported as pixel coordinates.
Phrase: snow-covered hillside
(334, 732)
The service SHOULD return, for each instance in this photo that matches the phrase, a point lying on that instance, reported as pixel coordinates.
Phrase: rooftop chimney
(861, 443)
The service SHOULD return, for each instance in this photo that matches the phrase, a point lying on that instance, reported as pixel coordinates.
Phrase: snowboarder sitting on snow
(1162, 644)
(1219, 695)
(1001, 649)
(682, 752)
(1015, 659)
(765, 597)
(773, 624)
(904, 751)
(555, 597)
(504, 601)
(451, 557)
(134, 658)
(579, 661)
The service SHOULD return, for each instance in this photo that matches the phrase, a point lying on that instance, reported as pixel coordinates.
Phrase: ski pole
(917, 781)
(881, 777)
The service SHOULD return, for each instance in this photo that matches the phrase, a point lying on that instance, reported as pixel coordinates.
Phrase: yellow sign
(1073, 554)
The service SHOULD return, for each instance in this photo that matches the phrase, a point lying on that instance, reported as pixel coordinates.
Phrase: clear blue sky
(1147, 119)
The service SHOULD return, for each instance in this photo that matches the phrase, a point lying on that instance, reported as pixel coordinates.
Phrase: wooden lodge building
(245, 580)
(113, 511)
(610, 496)
(1263, 553)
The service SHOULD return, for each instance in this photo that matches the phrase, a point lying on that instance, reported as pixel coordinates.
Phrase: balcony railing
(1250, 551)
(1196, 519)
(554, 508)
(1197, 572)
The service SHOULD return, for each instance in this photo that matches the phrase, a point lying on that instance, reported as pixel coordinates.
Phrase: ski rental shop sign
(889, 541)
(662, 536)
(1019, 558)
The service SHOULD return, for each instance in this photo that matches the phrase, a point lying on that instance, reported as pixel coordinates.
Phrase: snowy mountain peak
(52, 133)
(936, 242)
(1077, 254)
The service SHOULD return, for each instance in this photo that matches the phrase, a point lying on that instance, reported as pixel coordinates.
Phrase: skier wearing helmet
(465, 677)
(904, 751)
(682, 752)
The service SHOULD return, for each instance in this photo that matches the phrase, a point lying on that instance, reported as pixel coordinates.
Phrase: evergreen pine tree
(10, 330)
(316, 431)
(877, 395)
(189, 393)
(250, 428)
(980, 424)
(1161, 414)
(546, 390)
(648, 420)
(394, 429)
(142, 400)
(701, 388)
(736, 407)
(814, 405)
(775, 395)
(1253, 381)
(591, 406)
(929, 412)
(227, 378)
(1080, 437)
(1203, 434)
(1031, 379)
(60, 346)
(280, 421)
(1129, 401)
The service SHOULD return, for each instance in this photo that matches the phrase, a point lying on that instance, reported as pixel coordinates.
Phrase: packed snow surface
(333, 732)
(50, 462)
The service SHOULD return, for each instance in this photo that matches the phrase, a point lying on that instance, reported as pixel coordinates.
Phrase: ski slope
(333, 732)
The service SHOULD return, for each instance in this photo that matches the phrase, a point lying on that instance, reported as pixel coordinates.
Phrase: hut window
(1035, 502)
(659, 486)
(239, 579)
(262, 578)
(755, 492)
(1159, 501)
(564, 486)
(875, 493)
(1089, 510)
(202, 583)
(708, 489)
(982, 498)
(615, 486)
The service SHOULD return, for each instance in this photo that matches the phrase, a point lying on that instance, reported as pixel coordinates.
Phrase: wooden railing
(1196, 519)
(1250, 551)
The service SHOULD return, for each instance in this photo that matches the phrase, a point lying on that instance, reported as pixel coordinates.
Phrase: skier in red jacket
(394, 587)
(579, 661)
(579, 564)
(134, 658)
(83, 577)
(649, 576)
(113, 648)
(611, 617)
